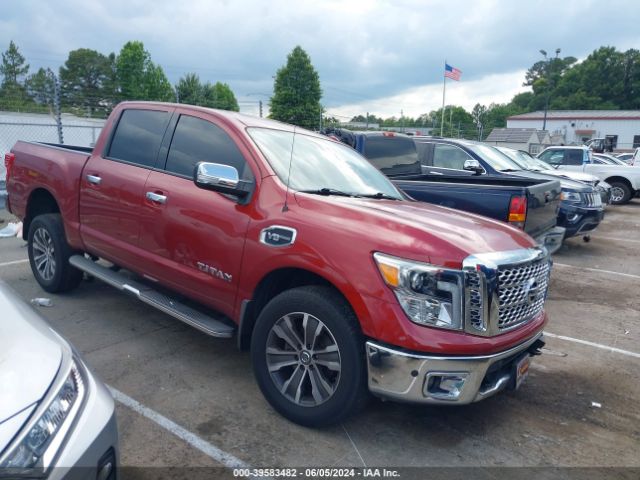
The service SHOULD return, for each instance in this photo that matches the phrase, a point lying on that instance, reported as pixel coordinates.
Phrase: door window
(573, 157)
(449, 156)
(554, 157)
(138, 136)
(197, 140)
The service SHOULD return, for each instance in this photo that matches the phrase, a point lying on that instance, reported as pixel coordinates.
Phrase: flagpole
(444, 89)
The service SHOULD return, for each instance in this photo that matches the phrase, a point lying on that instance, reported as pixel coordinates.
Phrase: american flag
(452, 72)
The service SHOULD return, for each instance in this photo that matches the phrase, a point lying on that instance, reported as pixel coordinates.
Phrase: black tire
(334, 313)
(627, 193)
(48, 230)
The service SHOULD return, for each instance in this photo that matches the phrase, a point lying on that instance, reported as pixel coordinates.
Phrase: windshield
(525, 160)
(498, 160)
(319, 165)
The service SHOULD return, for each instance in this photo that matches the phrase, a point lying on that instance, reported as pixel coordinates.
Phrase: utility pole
(451, 122)
(402, 120)
(367, 120)
(260, 102)
(548, 93)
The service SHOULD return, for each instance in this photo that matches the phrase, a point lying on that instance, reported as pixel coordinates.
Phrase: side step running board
(148, 295)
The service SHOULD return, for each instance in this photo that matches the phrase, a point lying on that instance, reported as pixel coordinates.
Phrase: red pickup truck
(336, 281)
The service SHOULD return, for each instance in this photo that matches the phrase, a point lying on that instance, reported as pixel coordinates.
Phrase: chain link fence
(34, 127)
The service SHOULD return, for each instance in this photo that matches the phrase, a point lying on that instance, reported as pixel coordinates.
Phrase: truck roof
(240, 119)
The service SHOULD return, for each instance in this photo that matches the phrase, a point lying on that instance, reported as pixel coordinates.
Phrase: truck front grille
(522, 290)
(592, 200)
(474, 290)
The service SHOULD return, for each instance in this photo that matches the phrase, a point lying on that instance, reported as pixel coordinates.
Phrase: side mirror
(221, 178)
(473, 165)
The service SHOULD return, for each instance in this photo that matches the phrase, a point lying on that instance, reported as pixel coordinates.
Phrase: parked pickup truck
(295, 244)
(624, 179)
(441, 175)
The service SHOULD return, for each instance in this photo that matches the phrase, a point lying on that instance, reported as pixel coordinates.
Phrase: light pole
(548, 72)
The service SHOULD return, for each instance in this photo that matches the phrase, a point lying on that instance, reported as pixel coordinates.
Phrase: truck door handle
(94, 179)
(156, 197)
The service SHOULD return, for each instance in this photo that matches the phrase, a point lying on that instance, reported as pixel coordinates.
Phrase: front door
(195, 236)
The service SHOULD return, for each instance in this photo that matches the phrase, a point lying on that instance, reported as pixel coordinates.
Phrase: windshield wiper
(329, 191)
(378, 196)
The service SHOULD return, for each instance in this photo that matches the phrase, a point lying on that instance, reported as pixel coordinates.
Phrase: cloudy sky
(373, 55)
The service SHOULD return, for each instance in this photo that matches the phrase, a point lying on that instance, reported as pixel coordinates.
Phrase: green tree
(189, 89)
(138, 77)
(87, 82)
(14, 66)
(41, 87)
(219, 95)
(297, 92)
(13, 95)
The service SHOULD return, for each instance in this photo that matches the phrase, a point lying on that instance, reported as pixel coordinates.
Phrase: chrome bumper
(402, 376)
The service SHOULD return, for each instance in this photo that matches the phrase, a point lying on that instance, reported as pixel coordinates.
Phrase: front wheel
(49, 254)
(308, 356)
(620, 193)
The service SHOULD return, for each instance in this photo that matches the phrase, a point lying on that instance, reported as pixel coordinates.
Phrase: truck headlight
(38, 446)
(570, 196)
(428, 294)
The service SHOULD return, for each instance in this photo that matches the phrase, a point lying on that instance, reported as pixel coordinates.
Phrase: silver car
(56, 419)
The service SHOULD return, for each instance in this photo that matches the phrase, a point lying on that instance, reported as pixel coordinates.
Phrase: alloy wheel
(303, 359)
(44, 255)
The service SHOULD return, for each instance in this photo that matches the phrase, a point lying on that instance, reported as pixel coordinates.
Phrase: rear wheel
(308, 356)
(49, 254)
(620, 193)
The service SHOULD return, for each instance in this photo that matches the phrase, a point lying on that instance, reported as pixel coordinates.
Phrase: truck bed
(488, 196)
(44, 169)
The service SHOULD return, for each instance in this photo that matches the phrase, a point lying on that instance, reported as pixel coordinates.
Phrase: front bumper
(402, 376)
(93, 441)
(577, 220)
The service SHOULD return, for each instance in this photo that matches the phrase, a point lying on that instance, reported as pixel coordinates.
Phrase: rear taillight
(518, 211)
(9, 158)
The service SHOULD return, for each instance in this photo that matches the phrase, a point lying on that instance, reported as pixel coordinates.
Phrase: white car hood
(30, 356)
(578, 176)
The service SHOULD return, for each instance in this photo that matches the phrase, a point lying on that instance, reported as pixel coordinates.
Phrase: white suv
(624, 179)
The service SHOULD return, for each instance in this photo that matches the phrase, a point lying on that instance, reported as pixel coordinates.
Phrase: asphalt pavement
(578, 408)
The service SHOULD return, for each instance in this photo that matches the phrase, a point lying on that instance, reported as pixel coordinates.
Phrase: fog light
(574, 217)
(444, 386)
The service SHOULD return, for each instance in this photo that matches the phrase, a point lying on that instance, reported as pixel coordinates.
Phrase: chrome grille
(522, 290)
(592, 200)
(474, 290)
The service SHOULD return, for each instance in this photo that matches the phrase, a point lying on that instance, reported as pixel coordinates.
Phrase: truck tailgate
(543, 201)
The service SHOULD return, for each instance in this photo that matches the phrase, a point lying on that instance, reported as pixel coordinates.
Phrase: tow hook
(536, 347)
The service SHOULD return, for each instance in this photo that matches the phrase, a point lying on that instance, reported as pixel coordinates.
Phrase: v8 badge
(278, 236)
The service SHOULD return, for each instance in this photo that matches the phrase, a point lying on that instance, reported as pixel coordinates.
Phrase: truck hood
(415, 229)
(567, 182)
(577, 176)
(30, 356)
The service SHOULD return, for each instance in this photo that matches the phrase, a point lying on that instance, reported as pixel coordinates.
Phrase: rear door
(196, 237)
(112, 183)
